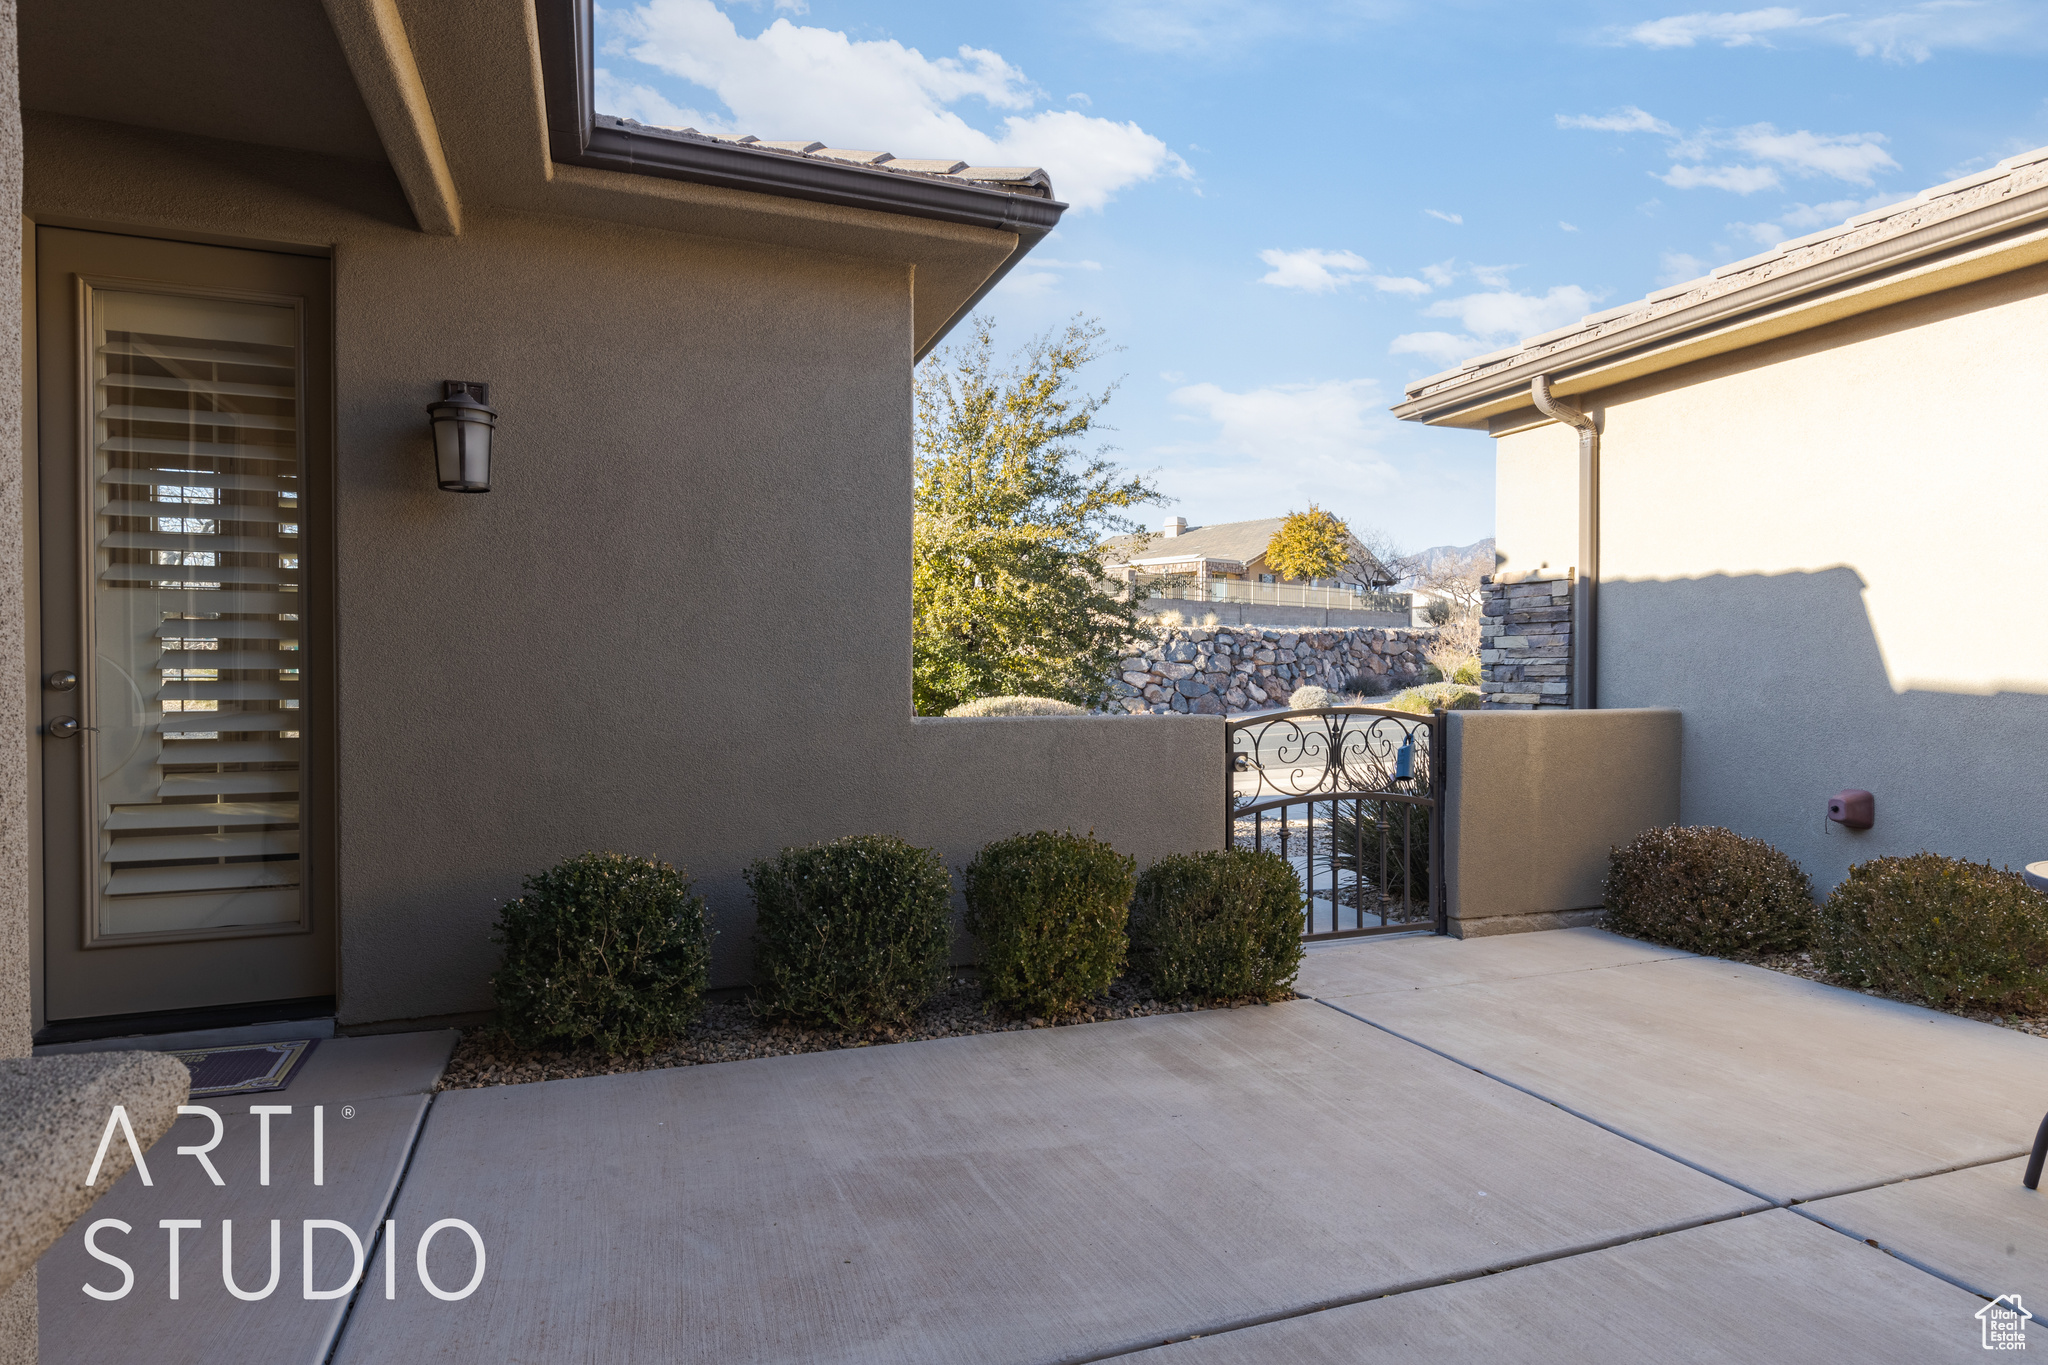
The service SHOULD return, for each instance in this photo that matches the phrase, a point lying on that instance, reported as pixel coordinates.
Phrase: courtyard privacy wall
(1214, 671)
(570, 662)
(1767, 518)
(1536, 801)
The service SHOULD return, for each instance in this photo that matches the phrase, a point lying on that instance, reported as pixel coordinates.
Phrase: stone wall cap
(52, 1112)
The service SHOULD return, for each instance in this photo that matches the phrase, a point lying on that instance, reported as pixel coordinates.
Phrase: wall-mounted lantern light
(462, 422)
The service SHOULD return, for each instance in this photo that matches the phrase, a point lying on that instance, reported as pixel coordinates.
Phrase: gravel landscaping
(1802, 964)
(727, 1031)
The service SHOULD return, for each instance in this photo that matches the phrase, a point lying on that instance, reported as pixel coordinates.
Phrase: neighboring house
(302, 719)
(1228, 550)
(1748, 476)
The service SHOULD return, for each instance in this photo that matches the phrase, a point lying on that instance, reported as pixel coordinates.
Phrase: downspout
(1586, 591)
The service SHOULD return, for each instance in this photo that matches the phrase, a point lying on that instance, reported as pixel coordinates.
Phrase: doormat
(244, 1069)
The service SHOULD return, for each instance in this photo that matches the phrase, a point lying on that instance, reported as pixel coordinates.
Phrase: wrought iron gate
(1352, 797)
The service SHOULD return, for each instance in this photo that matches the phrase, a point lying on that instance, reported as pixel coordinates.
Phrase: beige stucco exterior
(1817, 549)
(706, 413)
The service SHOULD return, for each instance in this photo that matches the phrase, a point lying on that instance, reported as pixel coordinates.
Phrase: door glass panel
(196, 608)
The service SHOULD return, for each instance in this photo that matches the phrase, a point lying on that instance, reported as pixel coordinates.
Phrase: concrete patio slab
(1791, 1088)
(343, 1069)
(1037, 1196)
(1364, 967)
(1770, 1287)
(206, 1325)
(1980, 1227)
(373, 1091)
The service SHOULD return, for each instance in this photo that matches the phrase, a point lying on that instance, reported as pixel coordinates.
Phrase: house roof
(1234, 542)
(1031, 180)
(1982, 224)
(1237, 541)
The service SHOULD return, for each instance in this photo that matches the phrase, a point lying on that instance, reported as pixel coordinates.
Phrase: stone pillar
(1525, 643)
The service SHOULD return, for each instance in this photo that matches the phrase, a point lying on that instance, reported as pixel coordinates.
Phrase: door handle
(64, 727)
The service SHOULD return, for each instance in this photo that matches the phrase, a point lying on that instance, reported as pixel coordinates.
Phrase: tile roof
(1031, 180)
(1929, 208)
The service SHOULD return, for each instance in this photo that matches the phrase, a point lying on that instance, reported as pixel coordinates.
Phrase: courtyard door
(183, 400)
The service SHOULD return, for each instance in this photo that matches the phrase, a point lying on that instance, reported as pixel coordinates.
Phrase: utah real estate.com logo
(2005, 1321)
(117, 1122)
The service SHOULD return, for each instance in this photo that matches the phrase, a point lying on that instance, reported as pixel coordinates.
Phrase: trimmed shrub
(1052, 912)
(1428, 697)
(849, 934)
(1951, 933)
(1310, 698)
(1017, 706)
(1708, 890)
(1218, 925)
(602, 949)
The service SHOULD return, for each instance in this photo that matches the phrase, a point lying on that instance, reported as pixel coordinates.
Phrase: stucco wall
(1535, 801)
(695, 435)
(1820, 550)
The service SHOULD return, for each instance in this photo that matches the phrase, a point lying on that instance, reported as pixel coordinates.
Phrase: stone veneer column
(1525, 643)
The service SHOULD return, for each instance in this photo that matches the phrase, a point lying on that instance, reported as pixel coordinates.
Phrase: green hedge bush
(1218, 925)
(850, 934)
(1052, 912)
(602, 949)
(1950, 933)
(1708, 890)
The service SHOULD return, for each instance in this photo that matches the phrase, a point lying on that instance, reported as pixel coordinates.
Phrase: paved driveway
(1562, 1146)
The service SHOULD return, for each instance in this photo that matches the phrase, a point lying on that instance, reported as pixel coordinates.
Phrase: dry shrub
(1953, 934)
(1709, 890)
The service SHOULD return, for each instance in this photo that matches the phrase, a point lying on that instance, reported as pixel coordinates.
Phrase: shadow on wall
(1786, 701)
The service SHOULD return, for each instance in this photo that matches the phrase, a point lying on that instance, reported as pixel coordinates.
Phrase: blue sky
(1284, 211)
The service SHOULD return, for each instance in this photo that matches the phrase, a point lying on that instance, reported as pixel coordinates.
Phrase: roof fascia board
(1989, 241)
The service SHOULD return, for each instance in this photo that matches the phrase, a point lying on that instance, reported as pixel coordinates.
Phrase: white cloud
(1050, 263)
(1447, 217)
(1746, 29)
(1809, 217)
(1441, 273)
(1676, 267)
(1566, 227)
(1740, 179)
(1763, 234)
(1400, 284)
(799, 81)
(1445, 348)
(1311, 270)
(1492, 276)
(1628, 119)
(1081, 99)
(1853, 157)
(1805, 218)
(1506, 315)
(1027, 284)
(1911, 33)
(1312, 436)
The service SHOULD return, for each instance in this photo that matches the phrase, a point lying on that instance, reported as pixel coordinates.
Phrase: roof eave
(1993, 239)
(577, 136)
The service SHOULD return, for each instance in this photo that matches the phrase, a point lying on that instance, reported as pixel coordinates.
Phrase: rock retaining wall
(1222, 670)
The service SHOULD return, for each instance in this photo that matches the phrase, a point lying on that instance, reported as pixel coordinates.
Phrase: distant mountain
(1425, 560)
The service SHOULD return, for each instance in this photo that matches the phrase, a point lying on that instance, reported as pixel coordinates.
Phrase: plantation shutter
(196, 612)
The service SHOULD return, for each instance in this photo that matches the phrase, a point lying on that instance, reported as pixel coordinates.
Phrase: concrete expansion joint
(419, 1130)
